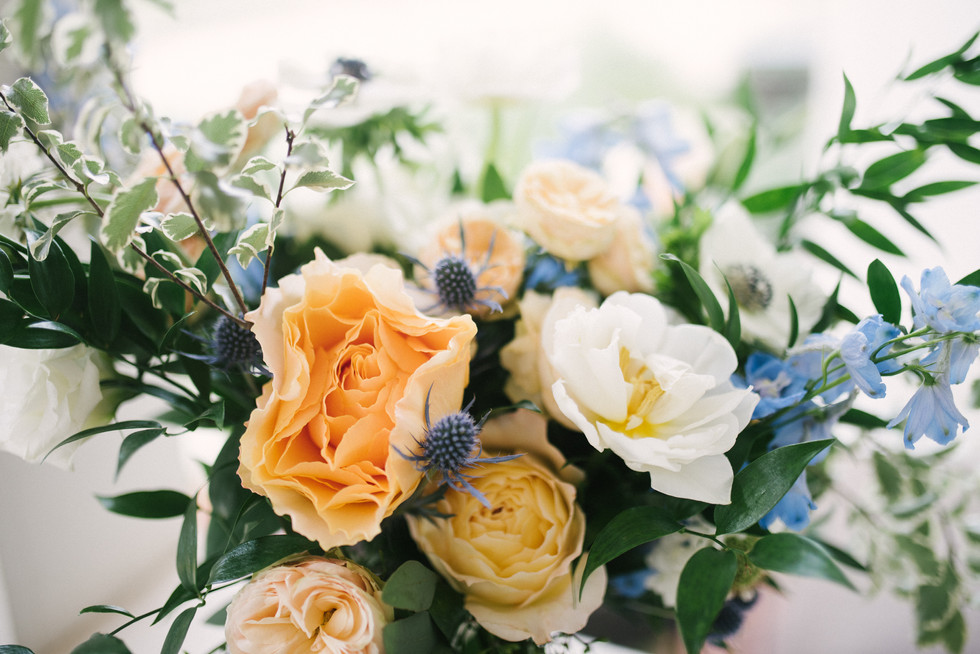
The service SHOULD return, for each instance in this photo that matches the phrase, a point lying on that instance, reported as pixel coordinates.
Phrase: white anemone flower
(762, 280)
(656, 394)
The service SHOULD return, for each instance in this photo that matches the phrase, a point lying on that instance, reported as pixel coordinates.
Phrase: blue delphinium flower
(943, 306)
(931, 412)
(809, 422)
(585, 139)
(857, 348)
(774, 380)
(794, 508)
(654, 133)
(807, 361)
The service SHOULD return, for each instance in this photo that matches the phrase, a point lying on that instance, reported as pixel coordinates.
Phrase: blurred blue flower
(943, 306)
(584, 139)
(774, 380)
(653, 132)
(859, 345)
(794, 508)
(544, 273)
(630, 584)
(931, 412)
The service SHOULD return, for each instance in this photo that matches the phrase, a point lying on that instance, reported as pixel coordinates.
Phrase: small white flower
(761, 279)
(669, 556)
(658, 395)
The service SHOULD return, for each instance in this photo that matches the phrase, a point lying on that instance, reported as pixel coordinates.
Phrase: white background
(59, 551)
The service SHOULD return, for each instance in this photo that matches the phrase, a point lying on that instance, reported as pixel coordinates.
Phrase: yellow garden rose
(308, 605)
(353, 362)
(512, 559)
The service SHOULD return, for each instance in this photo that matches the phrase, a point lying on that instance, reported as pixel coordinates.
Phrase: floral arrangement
(597, 385)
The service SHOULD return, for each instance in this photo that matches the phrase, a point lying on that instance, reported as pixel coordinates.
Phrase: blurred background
(548, 56)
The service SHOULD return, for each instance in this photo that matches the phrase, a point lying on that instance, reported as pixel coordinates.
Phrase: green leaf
(187, 548)
(934, 601)
(341, 90)
(102, 644)
(43, 336)
(492, 186)
(322, 179)
(178, 631)
(105, 310)
(761, 484)
(124, 212)
(52, 281)
(922, 555)
(410, 587)
(863, 419)
(14, 649)
(733, 326)
(716, 318)
(10, 126)
(252, 556)
(884, 292)
(178, 226)
(794, 323)
(847, 110)
(134, 442)
(936, 188)
(746, 166)
(973, 279)
(885, 172)
(413, 635)
(773, 199)
(106, 608)
(704, 584)
(251, 243)
(965, 152)
(116, 20)
(217, 140)
(5, 39)
(30, 101)
(871, 236)
(116, 426)
(795, 554)
(942, 62)
(147, 504)
(630, 528)
(951, 634)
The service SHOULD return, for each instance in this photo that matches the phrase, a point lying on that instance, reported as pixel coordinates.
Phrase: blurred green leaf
(746, 166)
(965, 152)
(413, 635)
(15, 649)
(942, 62)
(863, 419)
(102, 644)
(492, 186)
(630, 528)
(847, 110)
(10, 126)
(716, 318)
(936, 188)
(704, 583)
(410, 587)
(885, 172)
(147, 504)
(123, 214)
(795, 554)
(775, 199)
(254, 555)
(116, 20)
(884, 292)
(951, 634)
(5, 38)
(342, 89)
(178, 631)
(216, 141)
(762, 483)
(921, 554)
(30, 101)
(187, 548)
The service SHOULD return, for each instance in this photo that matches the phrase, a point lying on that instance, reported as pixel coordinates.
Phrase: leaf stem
(290, 137)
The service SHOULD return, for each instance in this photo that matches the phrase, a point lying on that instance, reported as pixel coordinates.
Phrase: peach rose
(353, 362)
(567, 209)
(308, 605)
(494, 252)
(513, 559)
(526, 356)
(627, 265)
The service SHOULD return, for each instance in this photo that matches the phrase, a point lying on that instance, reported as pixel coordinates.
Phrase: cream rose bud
(627, 265)
(48, 395)
(567, 209)
(658, 395)
(526, 357)
(513, 558)
(308, 605)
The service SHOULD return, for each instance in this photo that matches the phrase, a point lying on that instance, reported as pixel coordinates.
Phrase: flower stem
(290, 137)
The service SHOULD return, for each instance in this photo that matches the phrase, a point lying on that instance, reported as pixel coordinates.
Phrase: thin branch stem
(290, 137)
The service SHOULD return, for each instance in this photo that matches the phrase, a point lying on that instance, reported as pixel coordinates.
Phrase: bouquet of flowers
(599, 384)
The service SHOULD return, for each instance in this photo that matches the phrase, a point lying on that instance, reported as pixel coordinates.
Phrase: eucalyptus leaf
(795, 554)
(410, 587)
(10, 126)
(123, 214)
(630, 528)
(762, 483)
(716, 318)
(30, 101)
(102, 644)
(704, 584)
(884, 292)
(147, 504)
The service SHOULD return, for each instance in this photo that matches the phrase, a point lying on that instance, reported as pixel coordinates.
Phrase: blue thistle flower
(452, 446)
(231, 346)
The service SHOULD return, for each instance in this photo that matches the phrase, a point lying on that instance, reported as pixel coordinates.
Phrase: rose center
(750, 286)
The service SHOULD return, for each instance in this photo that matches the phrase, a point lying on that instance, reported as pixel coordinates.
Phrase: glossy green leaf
(410, 587)
(716, 318)
(132, 443)
(885, 172)
(104, 306)
(147, 504)
(413, 635)
(973, 279)
(6, 273)
(630, 528)
(10, 126)
(43, 336)
(884, 292)
(704, 584)
(187, 548)
(116, 426)
(322, 179)
(52, 281)
(797, 555)
(106, 608)
(178, 631)
(29, 100)
(102, 644)
(847, 110)
(794, 323)
(761, 484)
(775, 199)
(492, 186)
(124, 212)
(252, 556)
